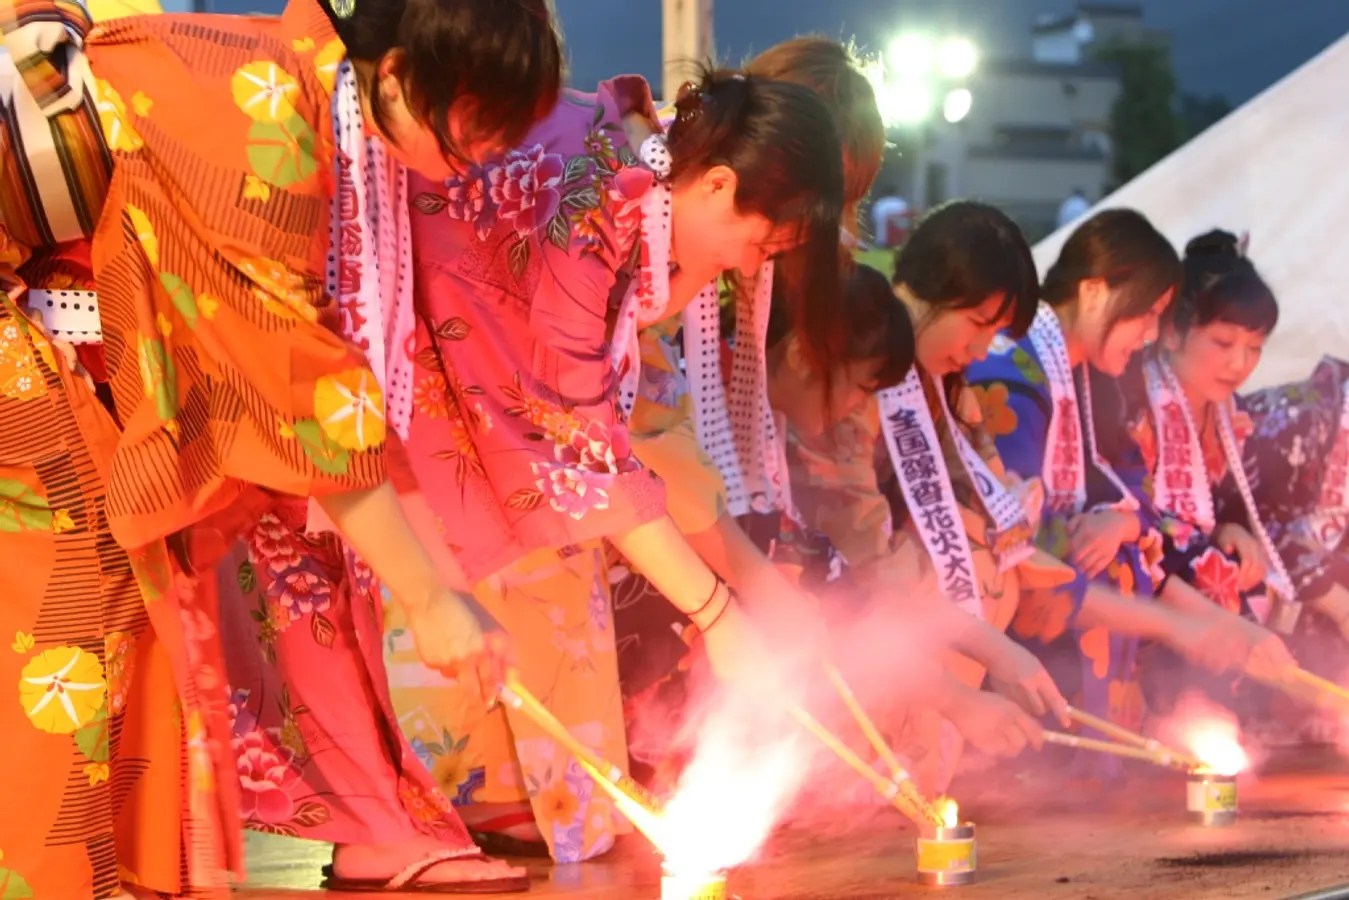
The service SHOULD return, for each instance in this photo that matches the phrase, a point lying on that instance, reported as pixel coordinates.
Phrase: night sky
(1231, 47)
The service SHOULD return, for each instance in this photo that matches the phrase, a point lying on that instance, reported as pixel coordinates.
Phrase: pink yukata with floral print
(518, 443)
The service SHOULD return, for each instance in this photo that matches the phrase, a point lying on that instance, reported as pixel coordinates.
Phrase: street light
(912, 55)
(957, 58)
(957, 105)
(908, 101)
(918, 75)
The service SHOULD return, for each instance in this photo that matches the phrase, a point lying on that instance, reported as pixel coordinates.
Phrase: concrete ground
(1051, 842)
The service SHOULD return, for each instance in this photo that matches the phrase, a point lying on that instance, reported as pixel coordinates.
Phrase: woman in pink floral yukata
(533, 275)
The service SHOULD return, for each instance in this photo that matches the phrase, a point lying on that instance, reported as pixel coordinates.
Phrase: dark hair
(503, 59)
(1121, 247)
(1222, 285)
(878, 326)
(964, 252)
(834, 72)
(782, 144)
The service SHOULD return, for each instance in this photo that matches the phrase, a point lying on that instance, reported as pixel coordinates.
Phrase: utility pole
(687, 40)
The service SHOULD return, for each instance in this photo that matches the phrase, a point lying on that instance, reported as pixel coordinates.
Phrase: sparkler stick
(633, 801)
(1156, 750)
(873, 734)
(1320, 687)
(903, 794)
(1081, 743)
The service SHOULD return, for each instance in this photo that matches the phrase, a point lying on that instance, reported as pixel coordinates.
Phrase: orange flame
(1213, 740)
(949, 811)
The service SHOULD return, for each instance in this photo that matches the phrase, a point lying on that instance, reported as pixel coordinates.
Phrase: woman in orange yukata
(534, 274)
(208, 143)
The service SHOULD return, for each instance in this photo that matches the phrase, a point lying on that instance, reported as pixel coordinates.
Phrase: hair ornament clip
(344, 9)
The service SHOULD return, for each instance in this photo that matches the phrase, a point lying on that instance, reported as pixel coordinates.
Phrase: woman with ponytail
(194, 200)
(534, 274)
(689, 414)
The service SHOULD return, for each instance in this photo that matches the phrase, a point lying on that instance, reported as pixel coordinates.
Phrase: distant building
(1039, 127)
(1039, 130)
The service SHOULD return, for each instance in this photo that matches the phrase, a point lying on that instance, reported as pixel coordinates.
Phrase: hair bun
(720, 96)
(1214, 243)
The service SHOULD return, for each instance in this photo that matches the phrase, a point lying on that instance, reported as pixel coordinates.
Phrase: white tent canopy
(1278, 169)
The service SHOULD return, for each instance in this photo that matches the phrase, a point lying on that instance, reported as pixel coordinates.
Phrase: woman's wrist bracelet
(721, 611)
(717, 585)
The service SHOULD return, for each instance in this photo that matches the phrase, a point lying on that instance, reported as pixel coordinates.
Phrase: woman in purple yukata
(1101, 302)
(533, 274)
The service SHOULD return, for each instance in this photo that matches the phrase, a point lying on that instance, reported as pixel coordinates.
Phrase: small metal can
(947, 856)
(1212, 799)
(702, 886)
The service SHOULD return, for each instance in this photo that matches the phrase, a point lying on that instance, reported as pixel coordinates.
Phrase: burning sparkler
(631, 799)
(674, 886)
(947, 855)
(945, 848)
(1211, 794)
(730, 796)
(1211, 735)
(1152, 749)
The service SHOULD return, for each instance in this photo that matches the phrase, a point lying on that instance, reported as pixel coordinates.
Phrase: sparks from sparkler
(1214, 741)
(1211, 734)
(744, 772)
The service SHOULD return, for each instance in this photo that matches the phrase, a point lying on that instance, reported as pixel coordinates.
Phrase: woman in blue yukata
(1102, 301)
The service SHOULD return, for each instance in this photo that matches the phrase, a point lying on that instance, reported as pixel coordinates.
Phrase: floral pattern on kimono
(95, 716)
(515, 406)
(318, 757)
(182, 297)
(199, 424)
(1127, 437)
(555, 605)
(1036, 602)
(835, 486)
(1292, 444)
(522, 451)
(1095, 669)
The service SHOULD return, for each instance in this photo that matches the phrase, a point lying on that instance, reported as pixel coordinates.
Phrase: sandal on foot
(409, 880)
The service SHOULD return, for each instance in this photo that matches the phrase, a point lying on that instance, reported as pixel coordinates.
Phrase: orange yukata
(134, 753)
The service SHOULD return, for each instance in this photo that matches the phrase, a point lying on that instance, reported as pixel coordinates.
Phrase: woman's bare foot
(381, 862)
